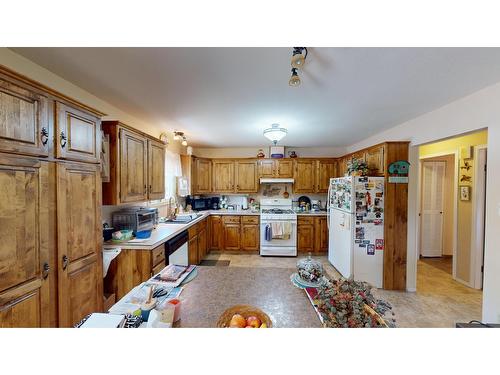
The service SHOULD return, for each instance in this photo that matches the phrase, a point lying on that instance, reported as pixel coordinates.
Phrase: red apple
(237, 321)
(253, 321)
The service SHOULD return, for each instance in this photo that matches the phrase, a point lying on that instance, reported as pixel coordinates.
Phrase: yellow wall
(464, 208)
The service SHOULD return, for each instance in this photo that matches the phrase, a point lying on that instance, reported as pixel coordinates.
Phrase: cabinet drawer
(229, 219)
(156, 269)
(193, 231)
(158, 255)
(250, 220)
(305, 220)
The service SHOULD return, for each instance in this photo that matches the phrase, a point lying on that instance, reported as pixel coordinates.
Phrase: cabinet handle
(150, 189)
(65, 262)
(45, 270)
(44, 135)
(145, 189)
(63, 139)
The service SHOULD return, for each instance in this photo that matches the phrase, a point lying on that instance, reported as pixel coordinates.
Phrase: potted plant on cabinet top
(356, 167)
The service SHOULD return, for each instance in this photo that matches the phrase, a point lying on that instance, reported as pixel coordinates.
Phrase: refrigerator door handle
(328, 206)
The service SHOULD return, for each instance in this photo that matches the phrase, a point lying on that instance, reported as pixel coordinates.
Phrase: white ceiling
(225, 97)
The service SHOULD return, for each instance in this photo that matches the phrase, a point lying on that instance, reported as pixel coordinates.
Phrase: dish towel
(287, 230)
(277, 230)
(268, 233)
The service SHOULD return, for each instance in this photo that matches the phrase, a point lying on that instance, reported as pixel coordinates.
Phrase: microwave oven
(199, 204)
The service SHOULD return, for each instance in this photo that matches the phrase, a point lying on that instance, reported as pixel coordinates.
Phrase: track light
(294, 79)
(178, 135)
(184, 141)
(299, 58)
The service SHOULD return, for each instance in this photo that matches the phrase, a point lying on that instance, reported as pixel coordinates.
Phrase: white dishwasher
(176, 249)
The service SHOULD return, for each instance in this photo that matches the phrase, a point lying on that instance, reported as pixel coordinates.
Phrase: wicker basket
(245, 311)
(375, 314)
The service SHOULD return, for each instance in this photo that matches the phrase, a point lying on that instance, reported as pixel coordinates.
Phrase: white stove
(277, 213)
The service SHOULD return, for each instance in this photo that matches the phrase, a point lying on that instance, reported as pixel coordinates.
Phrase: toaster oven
(135, 219)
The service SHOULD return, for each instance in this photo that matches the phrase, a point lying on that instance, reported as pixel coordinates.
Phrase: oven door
(284, 247)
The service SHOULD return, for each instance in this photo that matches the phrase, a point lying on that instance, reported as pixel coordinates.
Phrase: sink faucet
(172, 210)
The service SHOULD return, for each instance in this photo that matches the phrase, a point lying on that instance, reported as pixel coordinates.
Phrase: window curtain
(173, 170)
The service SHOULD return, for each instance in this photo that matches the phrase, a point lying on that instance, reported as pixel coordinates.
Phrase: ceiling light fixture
(298, 57)
(275, 133)
(178, 135)
(294, 79)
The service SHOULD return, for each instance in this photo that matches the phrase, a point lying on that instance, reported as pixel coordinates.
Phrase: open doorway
(450, 229)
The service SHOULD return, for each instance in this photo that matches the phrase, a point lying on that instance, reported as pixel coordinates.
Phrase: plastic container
(176, 303)
(143, 234)
(122, 235)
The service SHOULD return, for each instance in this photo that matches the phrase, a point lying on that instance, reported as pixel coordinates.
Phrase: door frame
(455, 153)
(478, 220)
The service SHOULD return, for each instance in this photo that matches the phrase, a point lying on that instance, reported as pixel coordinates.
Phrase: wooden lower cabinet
(250, 233)
(24, 252)
(202, 244)
(232, 236)
(193, 250)
(237, 233)
(214, 232)
(79, 260)
(312, 234)
(131, 268)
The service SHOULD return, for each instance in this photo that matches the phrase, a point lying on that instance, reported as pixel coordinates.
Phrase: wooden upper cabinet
(78, 134)
(305, 176)
(156, 170)
(326, 169)
(283, 168)
(246, 176)
(266, 168)
(133, 167)
(79, 241)
(202, 176)
(223, 176)
(24, 251)
(24, 120)
(375, 160)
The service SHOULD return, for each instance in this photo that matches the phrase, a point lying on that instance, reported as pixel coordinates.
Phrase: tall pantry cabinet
(50, 206)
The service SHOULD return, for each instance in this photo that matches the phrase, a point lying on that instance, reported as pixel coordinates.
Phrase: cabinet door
(24, 252)
(325, 171)
(156, 170)
(321, 234)
(305, 173)
(78, 134)
(24, 118)
(202, 245)
(203, 176)
(266, 168)
(223, 176)
(305, 238)
(79, 241)
(193, 250)
(284, 168)
(215, 230)
(250, 239)
(375, 160)
(246, 177)
(133, 167)
(232, 232)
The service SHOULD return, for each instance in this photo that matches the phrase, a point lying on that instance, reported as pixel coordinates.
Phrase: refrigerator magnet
(370, 249)
(379, 244)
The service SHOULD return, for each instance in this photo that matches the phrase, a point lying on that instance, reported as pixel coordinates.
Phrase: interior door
(156, 170)
(24, 253)
(133, 167)
(431, 218)
(79, 241)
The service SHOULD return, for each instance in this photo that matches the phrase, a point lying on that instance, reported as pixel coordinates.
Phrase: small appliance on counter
(214, 203)
(137, 219)
(198, 203)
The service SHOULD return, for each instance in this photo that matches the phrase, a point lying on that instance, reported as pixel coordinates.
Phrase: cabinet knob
(63, 139)
(65, 261)
(45, 270)
(44, 135)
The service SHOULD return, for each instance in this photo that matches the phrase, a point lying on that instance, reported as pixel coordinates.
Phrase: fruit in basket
(263, 325)
(237, 321)
(253, 321)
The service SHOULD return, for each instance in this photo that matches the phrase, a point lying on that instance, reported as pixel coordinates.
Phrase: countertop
(164, 231)
(217, 288)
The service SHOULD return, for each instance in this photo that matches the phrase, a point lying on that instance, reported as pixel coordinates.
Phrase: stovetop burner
(277, 211)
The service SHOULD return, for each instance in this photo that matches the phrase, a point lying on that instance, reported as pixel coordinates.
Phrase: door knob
(45, 270)
(65, 262)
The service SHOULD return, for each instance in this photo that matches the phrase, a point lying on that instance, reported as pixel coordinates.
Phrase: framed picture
(465, 193)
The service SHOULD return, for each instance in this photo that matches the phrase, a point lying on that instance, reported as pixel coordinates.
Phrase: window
(172, 171)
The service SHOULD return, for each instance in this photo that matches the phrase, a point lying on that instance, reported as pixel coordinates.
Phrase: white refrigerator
(356, 227)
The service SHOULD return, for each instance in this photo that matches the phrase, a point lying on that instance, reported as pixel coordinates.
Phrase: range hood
(276, 180)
